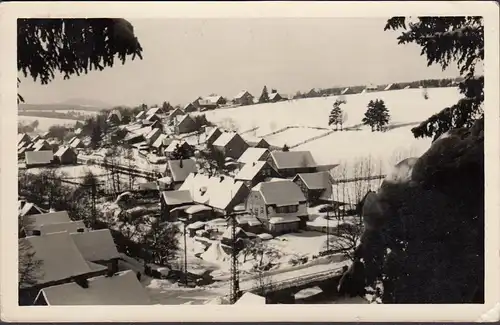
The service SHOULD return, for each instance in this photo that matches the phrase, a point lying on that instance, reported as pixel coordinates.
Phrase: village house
(152, 135)
(185, 124)
(76, 143)
(279, 204)
(186, 147)
(212, 135)
(60, 262)
(176, 112)
(290, 163)
(178, 170)
(161, 143)
(45, 135)
(32, 223)
(140, 115)
(122, 288)
(114, 117)
(190, 108)
(36, 138)
(65, 156)
(255, 172)
(275, 97)
(316, 187)
(155, 111)
(42, 145)
(243, 98)
(149, 119)
(27, 209)
(252, 155)
(260, 144)
(39, 158)
(230, 144)
(23, 137)
(221, 193)
(211, 102)
(97, 246)
(172, 202)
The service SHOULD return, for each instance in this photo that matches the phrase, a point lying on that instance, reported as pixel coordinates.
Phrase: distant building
(211, 102)
(185, 124)
(255, 172)
(39, 158)
(140, 115)
(23, 137)
(176, 112)
(262, 144)
(316, 187)
(65, 156)
(276, 97)
(190, 108)
(290, 163)
(243, 98)
(114, 117)
(230, 144)
(388, 87)
(212, 135)
(152, 135)
(279, 204)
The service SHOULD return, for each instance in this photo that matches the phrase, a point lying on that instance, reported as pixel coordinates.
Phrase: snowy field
(405, 106)
(289, 137)
(44, 122)
(77, 112)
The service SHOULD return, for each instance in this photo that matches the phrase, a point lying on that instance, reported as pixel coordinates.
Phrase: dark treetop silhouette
(72, 46)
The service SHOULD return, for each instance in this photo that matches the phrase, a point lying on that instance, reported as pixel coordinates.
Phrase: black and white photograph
(252, 161)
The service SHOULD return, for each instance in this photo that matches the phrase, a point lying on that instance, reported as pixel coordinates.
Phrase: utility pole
(185, 257)
(328, 229)
(235, 274)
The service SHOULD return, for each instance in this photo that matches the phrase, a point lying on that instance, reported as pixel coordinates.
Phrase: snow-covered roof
(316, 181)
(238, 231)
(140, 115)
(177, 197)
(75, 143)
(217, 192)
(179, 174)
(293, 159)
(274, 95)
(214, 131)
(252, 155)
(60, 258)
(38, 146)
(388, 87)
(265, 236)
(196, 225)
(27, 207)
(70, 227)
(249, 298)
(96, 245)
(120, 289)
(159, 141)
(197, 208)
(171, 147)
(61, 151)
(250, 170)
(153, 111)
(280, 192)
(210, 100)
(275, 220)
(344, 91)
(152, 133)
(224, 139)
(115, 112)
(35, 221)
(23, 137)
(177, 111)
(241, 94)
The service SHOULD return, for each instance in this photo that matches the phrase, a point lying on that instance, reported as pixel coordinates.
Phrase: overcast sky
(187, 58)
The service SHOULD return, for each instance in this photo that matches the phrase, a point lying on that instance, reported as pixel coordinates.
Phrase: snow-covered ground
(44, 122)
(289, 137)
(405, 106)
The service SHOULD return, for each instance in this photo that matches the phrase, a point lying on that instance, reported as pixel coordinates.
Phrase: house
(60, 262)
(140, 115)
(262, 144)
(243, 98)
(28, 209)
(255, 172)
(370, 88)
(152, 135)
(70, 227)
(230, 144)
(316, 187)
(173, 146)
(23, 137)
(211, 102)
(388, 87)
(176, 112)
(190, 108)
(214, 133)
(345, 91)
(65, 156)
(221, 193)
(275, 97)
(290, 163)
(154, 111)
(32, 223)
(114, 117)
(179, 170)
(185, 124)
(122, 288)
(252, 155)
(78, 131)
(280, 205)
(173, 201)
(36, 138)
(76, 143)
(152, 118)
(39, 158)
(41, 145)
(161, 143)
(97, 246)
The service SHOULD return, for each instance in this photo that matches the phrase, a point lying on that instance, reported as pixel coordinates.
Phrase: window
(261, 210)
(287, 209)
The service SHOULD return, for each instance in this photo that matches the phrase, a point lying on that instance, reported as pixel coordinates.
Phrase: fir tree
(445, 40)
(264, 97)
(336, 114)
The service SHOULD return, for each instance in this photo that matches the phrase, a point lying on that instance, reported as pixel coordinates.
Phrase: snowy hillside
(407, 108)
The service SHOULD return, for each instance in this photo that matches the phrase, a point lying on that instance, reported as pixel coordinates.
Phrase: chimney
(221, 178)
(181, 163)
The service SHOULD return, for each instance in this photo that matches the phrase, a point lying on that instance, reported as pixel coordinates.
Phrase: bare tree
(346, 240)
(264, 256)
(29, 265)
